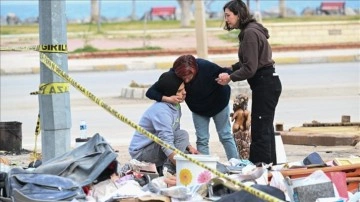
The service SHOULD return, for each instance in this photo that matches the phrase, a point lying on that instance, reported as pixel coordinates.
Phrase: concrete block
(127, 93)
(139, 93)
(133, 93)
(318, 139)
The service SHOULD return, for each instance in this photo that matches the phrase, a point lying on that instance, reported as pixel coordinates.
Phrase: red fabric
(339, 179)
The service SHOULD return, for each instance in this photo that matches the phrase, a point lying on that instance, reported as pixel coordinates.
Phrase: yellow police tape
(56, 48)
(37, 132)
(52, 66)
(52, 88)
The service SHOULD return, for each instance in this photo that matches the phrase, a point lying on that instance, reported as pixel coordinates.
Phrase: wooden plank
(351, 170)
(352, 173)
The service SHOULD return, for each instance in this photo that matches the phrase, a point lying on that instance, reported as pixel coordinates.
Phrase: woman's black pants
(266, 89)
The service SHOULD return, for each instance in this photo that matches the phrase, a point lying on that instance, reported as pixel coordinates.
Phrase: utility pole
(55, 117)
(200, 28)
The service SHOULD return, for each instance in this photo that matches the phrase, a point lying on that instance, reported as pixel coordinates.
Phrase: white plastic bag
(278, 181)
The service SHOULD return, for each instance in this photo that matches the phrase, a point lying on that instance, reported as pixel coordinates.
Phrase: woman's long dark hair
(239, 8)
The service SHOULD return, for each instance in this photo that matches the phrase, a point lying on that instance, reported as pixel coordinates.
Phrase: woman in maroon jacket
(257, 66)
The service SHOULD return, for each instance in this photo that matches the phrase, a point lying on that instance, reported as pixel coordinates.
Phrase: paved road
(322, 92)
(29, 62)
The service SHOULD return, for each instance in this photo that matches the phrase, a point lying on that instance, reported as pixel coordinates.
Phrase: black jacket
(204, 96)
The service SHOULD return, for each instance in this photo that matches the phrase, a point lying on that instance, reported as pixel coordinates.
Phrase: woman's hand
(192, 150)
(170, 180)
(174, 99)
(223, 79)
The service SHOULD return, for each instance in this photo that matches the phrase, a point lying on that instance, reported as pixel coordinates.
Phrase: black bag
(246, 196)
(40, 187)
(3, 177)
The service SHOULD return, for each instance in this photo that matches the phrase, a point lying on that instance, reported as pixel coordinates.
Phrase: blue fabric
(223, 129)
(38, 186)
(153, 152)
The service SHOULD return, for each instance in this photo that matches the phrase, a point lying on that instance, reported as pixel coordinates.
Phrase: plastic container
(83, 130)
(189, 173)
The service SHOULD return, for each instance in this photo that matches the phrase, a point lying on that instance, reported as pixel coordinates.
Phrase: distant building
(331, 8)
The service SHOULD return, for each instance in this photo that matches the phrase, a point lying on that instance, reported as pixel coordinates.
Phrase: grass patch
(143, 48)
(154, 25)
(91, 49)
(87, 49)
(231, 36)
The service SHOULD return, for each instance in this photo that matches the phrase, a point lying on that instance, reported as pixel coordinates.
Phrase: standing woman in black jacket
(257, 66)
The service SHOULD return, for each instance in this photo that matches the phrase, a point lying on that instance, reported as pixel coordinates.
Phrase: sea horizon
(80, 9)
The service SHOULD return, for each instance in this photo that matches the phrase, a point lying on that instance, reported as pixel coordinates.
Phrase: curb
(140, 65)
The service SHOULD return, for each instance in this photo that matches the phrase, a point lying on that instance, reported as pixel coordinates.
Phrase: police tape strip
(37, 132)
(37, 128)
(56, 48)
(52, 66)
(52, 88)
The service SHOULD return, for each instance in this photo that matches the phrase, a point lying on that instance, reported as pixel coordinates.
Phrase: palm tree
(282, 9)
(94, 11)
(185, 6)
